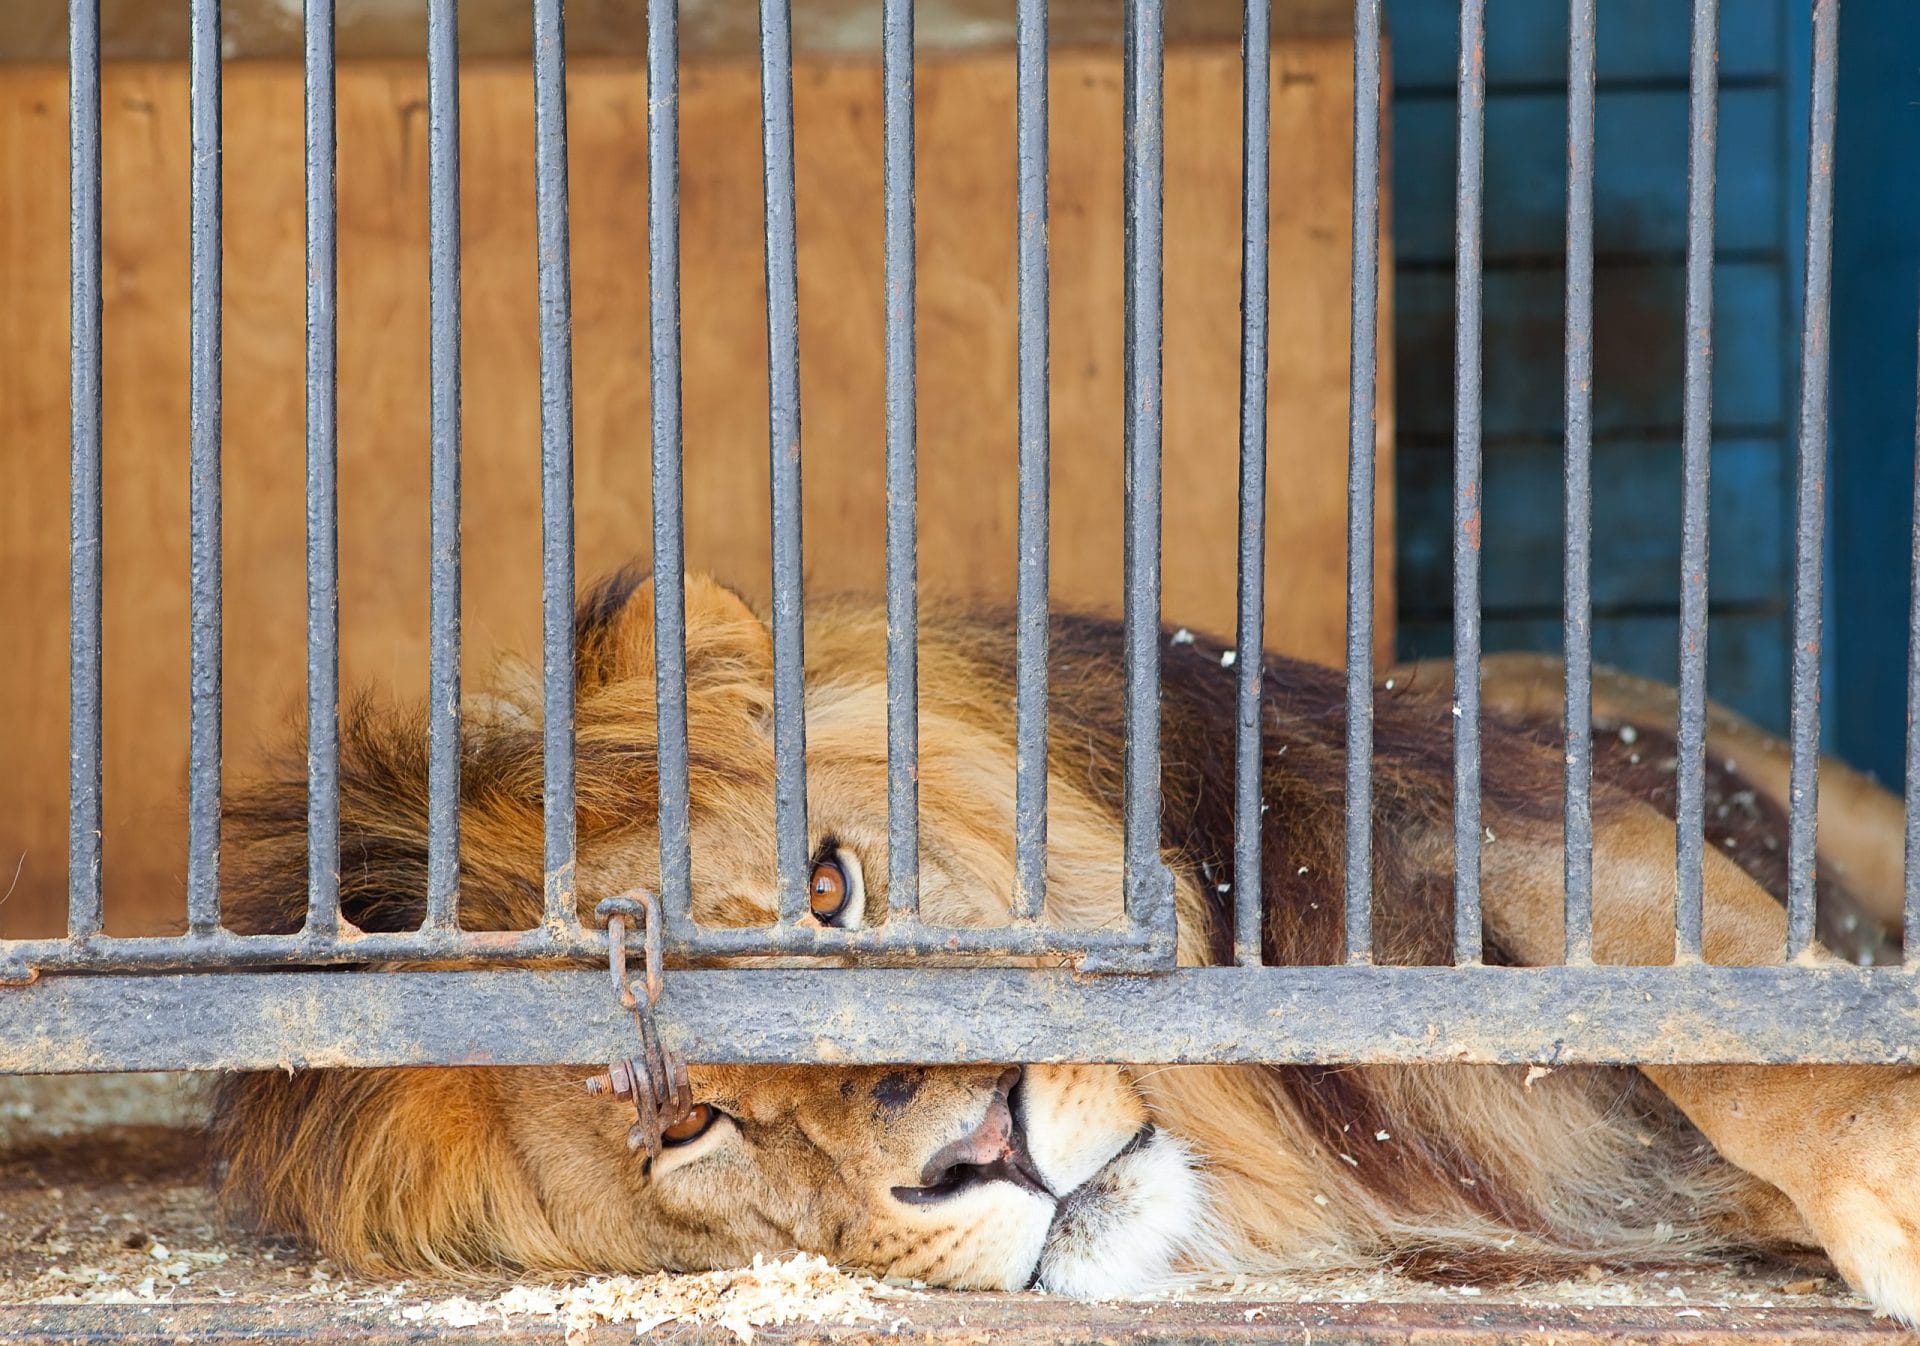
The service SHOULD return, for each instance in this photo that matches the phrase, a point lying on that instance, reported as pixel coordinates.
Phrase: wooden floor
(986, 1318)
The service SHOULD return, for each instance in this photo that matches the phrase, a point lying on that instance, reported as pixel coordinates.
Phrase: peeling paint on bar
(1690, 774)
(1551, 1016)
(1470, 197)
(1361, 448)
(902, 942)
(1577, 622)
(556, 454)
(87, 368)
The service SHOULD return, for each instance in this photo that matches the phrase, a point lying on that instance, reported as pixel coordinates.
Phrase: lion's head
(976, 1177)
(982, 1177)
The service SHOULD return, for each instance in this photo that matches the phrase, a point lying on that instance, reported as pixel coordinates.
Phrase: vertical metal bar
(1810, 496)
(556, 450)
(1911, 943)
(323, 565)
(903, 580)
(1360, 454)
(791, 845)
(1034, 543)
(83, 632)
(1469, 204)
(1696, 464)
(203, 340)
(1149, 887)
(669, 540)
(443, 279)
(1577, 826)
(1256, 63)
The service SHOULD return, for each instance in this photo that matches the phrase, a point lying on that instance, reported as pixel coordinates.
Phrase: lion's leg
(1843, 1143)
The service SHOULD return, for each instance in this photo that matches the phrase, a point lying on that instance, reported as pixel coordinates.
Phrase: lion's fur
(1460, 1171)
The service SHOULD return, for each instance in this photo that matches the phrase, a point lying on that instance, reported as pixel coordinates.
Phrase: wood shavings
(770, 1293)
(456, 1312)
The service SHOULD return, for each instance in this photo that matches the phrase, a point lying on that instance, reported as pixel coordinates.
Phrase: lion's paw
(1872, 1233)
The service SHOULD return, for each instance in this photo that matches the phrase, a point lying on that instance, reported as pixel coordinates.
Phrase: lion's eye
(837, 894)
(830, 890)
(691, 1127)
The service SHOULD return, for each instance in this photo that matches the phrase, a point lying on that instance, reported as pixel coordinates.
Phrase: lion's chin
(1119, 1234)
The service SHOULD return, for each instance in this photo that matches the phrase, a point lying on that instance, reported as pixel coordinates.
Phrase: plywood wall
(967, 372)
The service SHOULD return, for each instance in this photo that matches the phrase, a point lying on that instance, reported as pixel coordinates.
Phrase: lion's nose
(994, 1151)
(989, 1143)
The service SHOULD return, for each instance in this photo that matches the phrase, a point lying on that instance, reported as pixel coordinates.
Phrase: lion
(1087, 1180)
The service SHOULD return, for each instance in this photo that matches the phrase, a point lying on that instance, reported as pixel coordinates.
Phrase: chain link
(655, 1083)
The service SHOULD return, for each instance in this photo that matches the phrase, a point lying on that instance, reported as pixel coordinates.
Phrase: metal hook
(617, 912)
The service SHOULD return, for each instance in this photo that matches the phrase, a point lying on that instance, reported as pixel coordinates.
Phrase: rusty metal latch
(655, 1082)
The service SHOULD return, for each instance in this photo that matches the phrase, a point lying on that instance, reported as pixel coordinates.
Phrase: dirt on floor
(104, 1200)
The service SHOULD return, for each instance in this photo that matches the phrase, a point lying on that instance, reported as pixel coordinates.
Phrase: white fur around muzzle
(1121, 1233)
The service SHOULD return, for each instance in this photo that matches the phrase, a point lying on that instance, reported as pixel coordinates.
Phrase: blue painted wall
(1640, 217)
(1876, 298)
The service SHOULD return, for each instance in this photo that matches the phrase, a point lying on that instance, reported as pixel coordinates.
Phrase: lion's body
(1458, 1170)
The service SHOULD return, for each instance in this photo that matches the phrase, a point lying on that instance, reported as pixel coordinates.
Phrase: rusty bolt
(617, 1080)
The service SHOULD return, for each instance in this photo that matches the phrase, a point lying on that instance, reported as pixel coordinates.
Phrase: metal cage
(213, 999)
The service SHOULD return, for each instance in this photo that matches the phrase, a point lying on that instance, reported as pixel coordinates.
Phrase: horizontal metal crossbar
(1549, 1016)
(901, 941)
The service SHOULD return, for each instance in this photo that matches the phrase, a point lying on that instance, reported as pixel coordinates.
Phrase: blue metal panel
(1639, 200)
(1875, 302)
(1636, 520)
(1638, 41)
(1637, 352)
